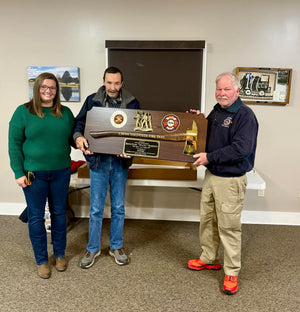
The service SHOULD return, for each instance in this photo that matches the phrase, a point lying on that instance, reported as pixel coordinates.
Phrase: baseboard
(173, 214)
(11, 209)
(271, 217)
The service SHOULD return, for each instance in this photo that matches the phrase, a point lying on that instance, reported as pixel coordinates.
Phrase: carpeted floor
(157, 279)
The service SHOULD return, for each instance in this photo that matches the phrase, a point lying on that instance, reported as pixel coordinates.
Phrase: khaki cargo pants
(220, 220)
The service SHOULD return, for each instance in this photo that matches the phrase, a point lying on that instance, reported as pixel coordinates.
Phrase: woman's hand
(22, 181)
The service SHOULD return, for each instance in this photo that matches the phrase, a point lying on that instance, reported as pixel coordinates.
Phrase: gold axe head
(194, 131)
(190, 147)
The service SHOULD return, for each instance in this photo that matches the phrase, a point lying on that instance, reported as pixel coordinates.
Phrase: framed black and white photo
(264, 85)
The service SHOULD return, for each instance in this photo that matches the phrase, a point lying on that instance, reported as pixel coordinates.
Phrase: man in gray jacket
(105, 170)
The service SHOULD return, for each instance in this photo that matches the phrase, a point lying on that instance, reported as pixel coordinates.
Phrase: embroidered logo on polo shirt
(227, 122)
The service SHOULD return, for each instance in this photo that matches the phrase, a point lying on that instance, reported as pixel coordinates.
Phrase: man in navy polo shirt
(230, 153)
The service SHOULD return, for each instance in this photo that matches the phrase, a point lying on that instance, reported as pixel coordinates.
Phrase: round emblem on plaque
(170, 123)
(118, 119)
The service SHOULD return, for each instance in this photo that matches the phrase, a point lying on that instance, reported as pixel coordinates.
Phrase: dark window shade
(161, 78)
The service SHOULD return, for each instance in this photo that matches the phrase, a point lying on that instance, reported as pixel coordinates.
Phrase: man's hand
(202, 159)
(124, 156)
(194, 111)
(22, 181)
(82, 144)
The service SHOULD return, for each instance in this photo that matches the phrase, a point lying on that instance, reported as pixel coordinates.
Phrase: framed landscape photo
(68, 79)
(264, 85)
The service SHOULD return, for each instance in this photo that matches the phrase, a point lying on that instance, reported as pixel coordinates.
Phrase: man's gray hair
(234, 78)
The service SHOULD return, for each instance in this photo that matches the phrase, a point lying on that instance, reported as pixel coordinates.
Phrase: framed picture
(68, 78)
(265, 85)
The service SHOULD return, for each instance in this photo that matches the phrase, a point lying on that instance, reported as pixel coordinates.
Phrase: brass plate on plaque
(174, 136)
(141, 147)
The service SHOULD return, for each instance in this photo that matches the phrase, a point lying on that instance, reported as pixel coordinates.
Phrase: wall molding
(173, 214)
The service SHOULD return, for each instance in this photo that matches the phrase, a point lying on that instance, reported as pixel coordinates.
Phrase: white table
(255, 181)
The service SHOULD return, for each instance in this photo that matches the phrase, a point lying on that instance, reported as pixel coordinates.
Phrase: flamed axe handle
(165, 137)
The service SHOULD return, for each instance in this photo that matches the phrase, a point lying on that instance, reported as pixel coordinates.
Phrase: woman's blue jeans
(110, 173)
(53, 185)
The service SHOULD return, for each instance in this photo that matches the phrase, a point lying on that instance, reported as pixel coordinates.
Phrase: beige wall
(239, 33)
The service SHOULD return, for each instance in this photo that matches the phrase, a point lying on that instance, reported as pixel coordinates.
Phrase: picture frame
(261, 85)
(68, 79)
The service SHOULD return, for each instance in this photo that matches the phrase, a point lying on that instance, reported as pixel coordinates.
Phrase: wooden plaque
(173, 136)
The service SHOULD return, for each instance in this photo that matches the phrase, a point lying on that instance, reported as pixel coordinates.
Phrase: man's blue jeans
(53, 185)
(110, 173)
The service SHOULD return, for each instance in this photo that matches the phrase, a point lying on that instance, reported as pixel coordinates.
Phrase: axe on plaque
(179, 137)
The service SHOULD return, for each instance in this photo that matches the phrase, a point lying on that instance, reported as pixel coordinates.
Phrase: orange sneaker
(230, 286)
(198, 265)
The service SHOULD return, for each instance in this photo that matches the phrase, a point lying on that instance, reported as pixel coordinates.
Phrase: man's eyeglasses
(44, 87)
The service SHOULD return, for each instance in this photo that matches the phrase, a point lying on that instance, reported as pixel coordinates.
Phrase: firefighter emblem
(170, 123)
(118, 119)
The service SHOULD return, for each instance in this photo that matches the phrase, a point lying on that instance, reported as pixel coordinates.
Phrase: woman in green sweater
(39, 150)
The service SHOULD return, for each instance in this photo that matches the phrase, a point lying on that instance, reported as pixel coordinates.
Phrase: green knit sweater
(38, 144)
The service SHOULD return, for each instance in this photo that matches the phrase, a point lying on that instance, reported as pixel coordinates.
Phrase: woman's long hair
(35, 104)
